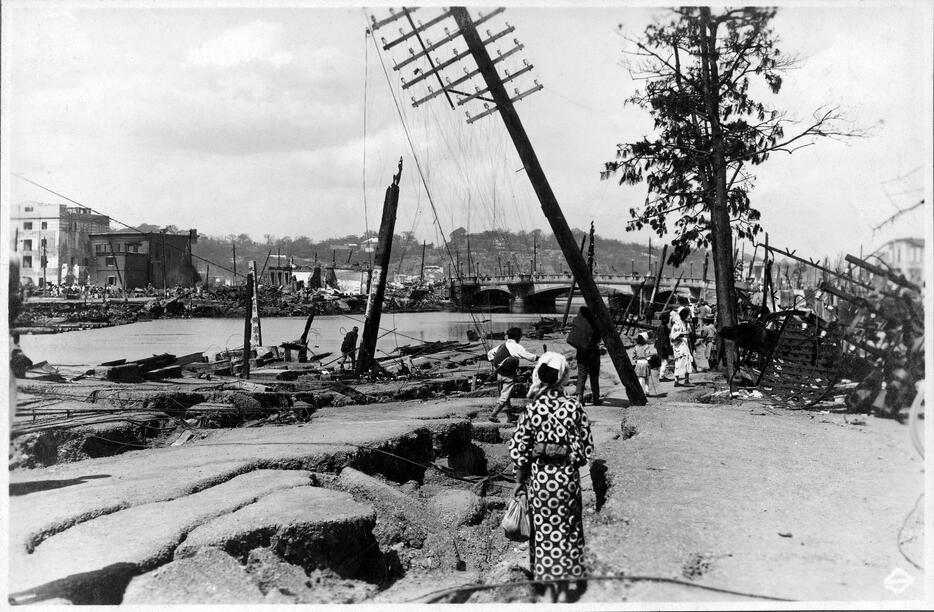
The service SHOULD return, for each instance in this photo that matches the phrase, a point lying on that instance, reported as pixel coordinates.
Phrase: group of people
(682, 335)
(552, 440)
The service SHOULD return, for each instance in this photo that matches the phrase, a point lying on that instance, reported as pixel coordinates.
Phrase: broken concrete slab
(401, 518)
(209, 577)
(143, 536)
(59, 496)
(309, 526)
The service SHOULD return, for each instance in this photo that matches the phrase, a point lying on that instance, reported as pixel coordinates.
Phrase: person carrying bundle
(505, 361)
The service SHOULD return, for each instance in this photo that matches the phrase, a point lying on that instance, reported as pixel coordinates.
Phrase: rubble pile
(866, 351)
(73, 314)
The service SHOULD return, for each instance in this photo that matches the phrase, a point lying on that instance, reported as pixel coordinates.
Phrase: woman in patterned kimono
(551, 443)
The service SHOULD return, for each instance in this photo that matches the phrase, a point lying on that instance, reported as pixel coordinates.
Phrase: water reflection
(183, 336)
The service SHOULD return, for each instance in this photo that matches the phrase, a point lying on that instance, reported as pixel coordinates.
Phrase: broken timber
(374, 304)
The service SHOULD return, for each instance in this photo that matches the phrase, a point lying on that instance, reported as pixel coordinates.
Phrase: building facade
(53, 241)
(135, 260)
(906, 257)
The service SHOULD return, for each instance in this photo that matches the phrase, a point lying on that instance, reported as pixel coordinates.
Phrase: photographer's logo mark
(898, 581)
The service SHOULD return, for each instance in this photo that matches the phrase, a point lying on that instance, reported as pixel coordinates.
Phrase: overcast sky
(251, 120)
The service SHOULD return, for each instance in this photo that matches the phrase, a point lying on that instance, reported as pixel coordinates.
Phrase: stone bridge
(537, 292)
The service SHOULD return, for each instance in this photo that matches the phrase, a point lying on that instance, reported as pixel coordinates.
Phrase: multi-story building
(53, 241)
(906, 256)
(134, 260)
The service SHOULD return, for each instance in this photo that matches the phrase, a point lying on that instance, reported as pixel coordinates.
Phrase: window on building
(45, 225)
(110, 262)
(27, 261)
(111, 280)
(27, 245)
(29, 209)
(98, 248)
(119, 248)
(27, 225)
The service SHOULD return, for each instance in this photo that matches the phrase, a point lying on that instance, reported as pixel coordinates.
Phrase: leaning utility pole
(496, 93)
(658, 276)
(374, 303)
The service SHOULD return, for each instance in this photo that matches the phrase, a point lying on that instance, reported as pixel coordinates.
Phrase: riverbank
(45, 315)
(697, 498)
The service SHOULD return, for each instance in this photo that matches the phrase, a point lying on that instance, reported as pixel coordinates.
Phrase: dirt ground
(729, 502)
(769, 502)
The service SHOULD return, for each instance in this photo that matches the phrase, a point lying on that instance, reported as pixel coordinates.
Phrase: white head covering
(552, 360)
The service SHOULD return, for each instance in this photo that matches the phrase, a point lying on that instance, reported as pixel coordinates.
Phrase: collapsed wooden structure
(869, 343)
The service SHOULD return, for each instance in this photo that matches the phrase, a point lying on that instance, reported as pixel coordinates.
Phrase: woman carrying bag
(551, 443)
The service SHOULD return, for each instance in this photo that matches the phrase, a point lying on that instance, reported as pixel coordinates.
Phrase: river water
(183, 336)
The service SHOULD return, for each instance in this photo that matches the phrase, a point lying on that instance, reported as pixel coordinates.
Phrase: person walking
(505, 360)
(663, 345)
(707, 334)
(681, 347)
(551, 443)
(586, 340)
(349, 349)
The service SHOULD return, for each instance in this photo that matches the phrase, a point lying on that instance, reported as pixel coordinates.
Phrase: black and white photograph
(617, 305)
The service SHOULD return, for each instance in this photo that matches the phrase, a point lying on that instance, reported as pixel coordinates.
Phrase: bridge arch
(491, 297)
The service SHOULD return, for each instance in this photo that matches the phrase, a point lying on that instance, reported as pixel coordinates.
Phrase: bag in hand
(516, 521)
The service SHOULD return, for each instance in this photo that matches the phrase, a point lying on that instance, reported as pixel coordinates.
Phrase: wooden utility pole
(590, 249)
(421, 269)
(650, 256)
(164, 268)
(119, 277)
(45, 262)
(550, 206)
(658, 275)
(567, 306)
(374, 304)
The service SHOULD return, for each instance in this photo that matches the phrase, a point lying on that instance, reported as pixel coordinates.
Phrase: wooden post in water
(374, 303)
(247, 325)
(550, 205)
(256, 328)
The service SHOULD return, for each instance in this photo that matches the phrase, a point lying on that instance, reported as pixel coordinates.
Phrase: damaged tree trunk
(720, 230)
(374, 304)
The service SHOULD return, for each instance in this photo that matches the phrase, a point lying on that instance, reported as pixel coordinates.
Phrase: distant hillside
(489, 253)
